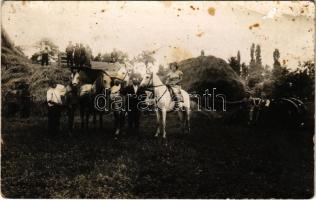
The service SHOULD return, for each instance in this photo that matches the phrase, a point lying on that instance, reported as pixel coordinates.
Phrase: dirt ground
(214, 161)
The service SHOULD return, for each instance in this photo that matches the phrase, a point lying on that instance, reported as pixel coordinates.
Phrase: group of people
(173, 81)
(78, 55)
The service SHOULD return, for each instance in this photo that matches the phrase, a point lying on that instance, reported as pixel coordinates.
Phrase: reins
(154, 86)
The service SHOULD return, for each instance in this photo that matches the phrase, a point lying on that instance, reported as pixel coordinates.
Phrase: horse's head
(106, 81)
(102, 82)
(75, 79)
(147, 80)
(123, 74)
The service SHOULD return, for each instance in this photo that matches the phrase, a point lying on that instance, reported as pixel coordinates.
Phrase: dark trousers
(53, 118)
(70, 60)
(133, 120)
(76, 60)
(45, 59)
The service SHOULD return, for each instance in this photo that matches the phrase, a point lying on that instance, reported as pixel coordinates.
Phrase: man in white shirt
(54, 102)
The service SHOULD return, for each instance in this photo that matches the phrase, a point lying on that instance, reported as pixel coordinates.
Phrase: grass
(215, 161)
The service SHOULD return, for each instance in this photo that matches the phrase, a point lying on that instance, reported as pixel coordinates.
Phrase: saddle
(175, 95)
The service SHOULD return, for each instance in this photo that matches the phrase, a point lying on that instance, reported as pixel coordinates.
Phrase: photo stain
(103, 10)
(13, 9)
(256, 25)
(167, 4)
(179, 54)
(211, 11)
(200, 34)
(192, 7)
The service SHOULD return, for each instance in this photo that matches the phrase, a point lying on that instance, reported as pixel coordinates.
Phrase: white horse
(164, 103)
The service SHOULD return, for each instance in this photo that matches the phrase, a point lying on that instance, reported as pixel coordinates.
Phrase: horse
(86, 84)
(287, 113)
(164, 103)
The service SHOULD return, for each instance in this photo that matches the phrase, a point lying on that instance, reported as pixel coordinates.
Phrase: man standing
(77, 55)
(54, 106)
(83, 55)
(134, 96)
(88, 52)
(45, 52)
(70, 52)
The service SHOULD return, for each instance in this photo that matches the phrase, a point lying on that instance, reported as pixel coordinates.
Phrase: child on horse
(174, 78)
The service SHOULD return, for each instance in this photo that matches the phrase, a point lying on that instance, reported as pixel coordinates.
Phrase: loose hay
(40, 79)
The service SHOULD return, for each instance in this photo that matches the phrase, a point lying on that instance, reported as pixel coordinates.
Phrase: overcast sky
(178, 30)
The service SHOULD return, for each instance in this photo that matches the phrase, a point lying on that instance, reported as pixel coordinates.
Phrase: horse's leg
(101, 120)
(82, 116)
(158, 123)
(87, 118)
(70, 118)
(187, 119)
(122, 120)
(94, 114)
(163, 122)
(181, 119)
(116, 123)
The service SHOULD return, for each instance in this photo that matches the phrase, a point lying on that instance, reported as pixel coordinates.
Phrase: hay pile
(15, 67)
(40, 78)
(207, 72)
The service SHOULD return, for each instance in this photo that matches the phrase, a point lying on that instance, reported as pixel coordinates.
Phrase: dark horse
(278, 113)
(85, 85)
(287, 113)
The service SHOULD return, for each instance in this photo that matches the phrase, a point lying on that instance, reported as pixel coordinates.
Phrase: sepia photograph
(157, 99)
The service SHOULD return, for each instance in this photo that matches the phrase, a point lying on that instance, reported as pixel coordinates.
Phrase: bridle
(154, 86)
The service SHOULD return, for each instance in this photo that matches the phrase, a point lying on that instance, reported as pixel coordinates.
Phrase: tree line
(276, 81)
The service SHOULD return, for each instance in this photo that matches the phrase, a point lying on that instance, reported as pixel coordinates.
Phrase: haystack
(208, 72)
(40, 78)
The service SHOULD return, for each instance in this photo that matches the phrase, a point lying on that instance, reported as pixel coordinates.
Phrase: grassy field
(215, 161)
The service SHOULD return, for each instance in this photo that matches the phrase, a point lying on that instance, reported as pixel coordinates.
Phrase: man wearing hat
(54, 102)
(134, 97)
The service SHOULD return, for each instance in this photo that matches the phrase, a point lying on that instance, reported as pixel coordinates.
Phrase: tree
(252, 51)
(277, 69)
(238, 57)
(276, 56)
(114, 56)
(145, 57)
(106, 57)
(252, 63)
(258, 56)
(244, 71)
(98, 57)
(234, 64)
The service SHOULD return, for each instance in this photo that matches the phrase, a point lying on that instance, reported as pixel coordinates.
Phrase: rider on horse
(174, 78)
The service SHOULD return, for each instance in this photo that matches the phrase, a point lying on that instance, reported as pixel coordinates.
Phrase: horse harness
(157, 100)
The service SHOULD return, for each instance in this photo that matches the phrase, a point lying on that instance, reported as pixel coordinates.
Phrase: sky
(175, 30)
